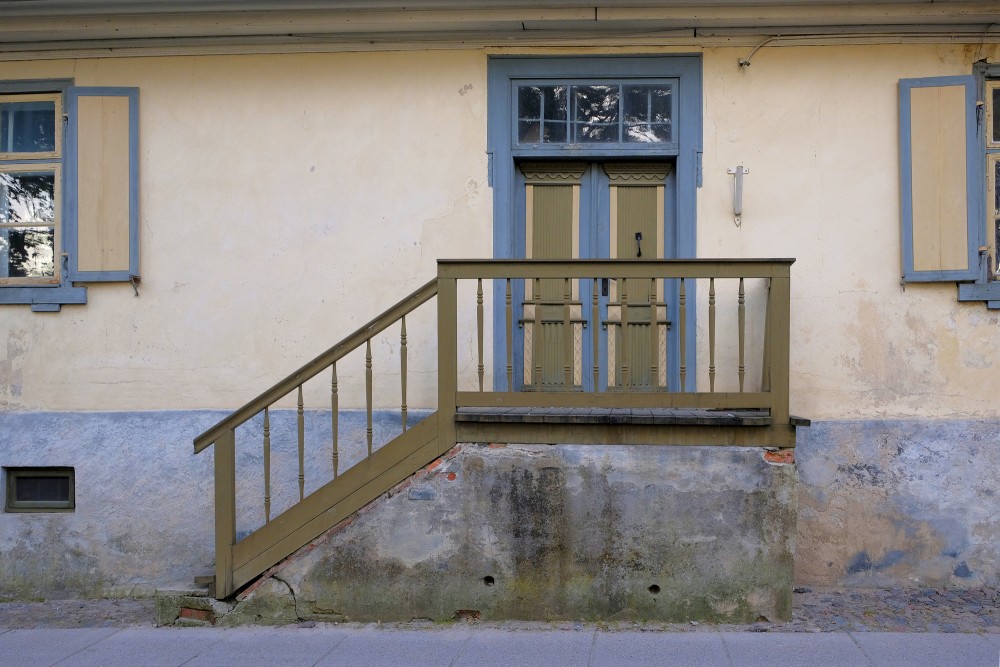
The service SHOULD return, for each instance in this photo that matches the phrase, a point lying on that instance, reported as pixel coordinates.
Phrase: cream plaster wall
(287, 199)
(818, 129)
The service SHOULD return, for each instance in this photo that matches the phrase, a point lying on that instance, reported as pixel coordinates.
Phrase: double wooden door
(574, 210)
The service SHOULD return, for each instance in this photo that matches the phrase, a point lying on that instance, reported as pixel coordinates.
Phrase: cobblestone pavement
(813, 610)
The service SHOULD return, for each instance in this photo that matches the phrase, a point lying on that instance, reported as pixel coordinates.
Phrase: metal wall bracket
(738, 173)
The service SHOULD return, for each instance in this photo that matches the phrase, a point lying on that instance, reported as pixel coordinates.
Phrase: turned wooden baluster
(568, 337)
(711, 334)
(510, 337)
(368, 393)
(302, 447)
(623, 351)
(402, 369)
(654, 337)
(742, 333)
(536, 335)
(479, 330)
(595, 335)
(267, 465)
(682, 330)
(334, 417)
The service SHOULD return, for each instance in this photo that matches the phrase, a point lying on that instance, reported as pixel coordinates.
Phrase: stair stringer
(335, 501)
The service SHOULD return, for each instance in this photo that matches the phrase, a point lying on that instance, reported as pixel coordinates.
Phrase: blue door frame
(685, 153)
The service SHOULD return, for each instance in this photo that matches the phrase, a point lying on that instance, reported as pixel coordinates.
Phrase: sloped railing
(579, 342)
(239, 561)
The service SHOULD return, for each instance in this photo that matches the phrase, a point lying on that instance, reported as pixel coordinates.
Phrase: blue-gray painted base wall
(880, 503)
(899, 503)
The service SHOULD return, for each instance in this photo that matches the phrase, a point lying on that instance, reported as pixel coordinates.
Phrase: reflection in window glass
(647, 111)
(28, 252)
(27, 224)
(996, 215)
(27, 127)
(594, 113)
(27, 197)
(541, 112)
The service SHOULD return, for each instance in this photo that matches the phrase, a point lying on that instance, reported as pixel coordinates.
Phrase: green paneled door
(623, 215)
(552, 231)
(637, 318)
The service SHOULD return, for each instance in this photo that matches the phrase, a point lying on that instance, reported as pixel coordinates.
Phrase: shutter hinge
(136, 281)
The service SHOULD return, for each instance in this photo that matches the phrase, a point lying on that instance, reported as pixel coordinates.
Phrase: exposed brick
(451, 476)
(497, 445)
(434, 464)
(781, 456)
(196, 614)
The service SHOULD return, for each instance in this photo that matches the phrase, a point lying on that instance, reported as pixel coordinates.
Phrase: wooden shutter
(939, 179)
(102, 177)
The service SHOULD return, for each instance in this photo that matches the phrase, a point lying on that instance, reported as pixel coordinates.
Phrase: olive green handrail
(318, 365)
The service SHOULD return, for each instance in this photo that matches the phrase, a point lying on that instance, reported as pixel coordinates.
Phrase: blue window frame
(68, 191)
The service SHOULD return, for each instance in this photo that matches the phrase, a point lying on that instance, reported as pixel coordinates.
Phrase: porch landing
(634, 426)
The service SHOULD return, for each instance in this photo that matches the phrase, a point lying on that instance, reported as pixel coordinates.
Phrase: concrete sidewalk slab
(931, 649)
(32, 648)
(531, 648)
(658, 649)
(754, 649)
(146, 646)
(397, 648)
(241, 647)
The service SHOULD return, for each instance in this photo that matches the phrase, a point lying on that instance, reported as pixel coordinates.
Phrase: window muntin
(603, 113)
(29, 127)
(29, 223)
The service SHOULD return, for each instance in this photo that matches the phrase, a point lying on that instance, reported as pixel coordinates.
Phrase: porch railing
(570, 335)
(597, 315)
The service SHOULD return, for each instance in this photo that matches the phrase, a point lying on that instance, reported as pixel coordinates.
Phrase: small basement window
(40, 490)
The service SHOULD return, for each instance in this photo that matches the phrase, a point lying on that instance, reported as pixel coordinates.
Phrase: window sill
(43, 299)
(985, 291)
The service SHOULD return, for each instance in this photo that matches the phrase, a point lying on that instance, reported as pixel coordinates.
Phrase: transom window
(30, 181)
(640, 112)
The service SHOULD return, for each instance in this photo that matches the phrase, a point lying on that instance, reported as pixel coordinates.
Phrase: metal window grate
(49, 489)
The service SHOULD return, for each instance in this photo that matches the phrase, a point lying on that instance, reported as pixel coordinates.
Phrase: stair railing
(223, 434)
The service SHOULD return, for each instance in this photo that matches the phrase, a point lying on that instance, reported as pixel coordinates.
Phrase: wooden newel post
(778, 343)
(447, 307)
(225, 512)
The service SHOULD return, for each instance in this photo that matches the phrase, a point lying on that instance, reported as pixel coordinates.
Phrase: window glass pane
(28, 252)
(27, 197)
(647, 111)
(555, 102)
(541, 112)
(596, 113)
(996, 189)
(52, 489)
(529, 102)
(995, 130)
(28, 127)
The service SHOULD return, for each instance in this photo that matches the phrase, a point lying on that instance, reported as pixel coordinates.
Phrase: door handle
(638, 244)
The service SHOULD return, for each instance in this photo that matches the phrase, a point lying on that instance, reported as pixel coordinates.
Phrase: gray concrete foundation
(561, 532)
